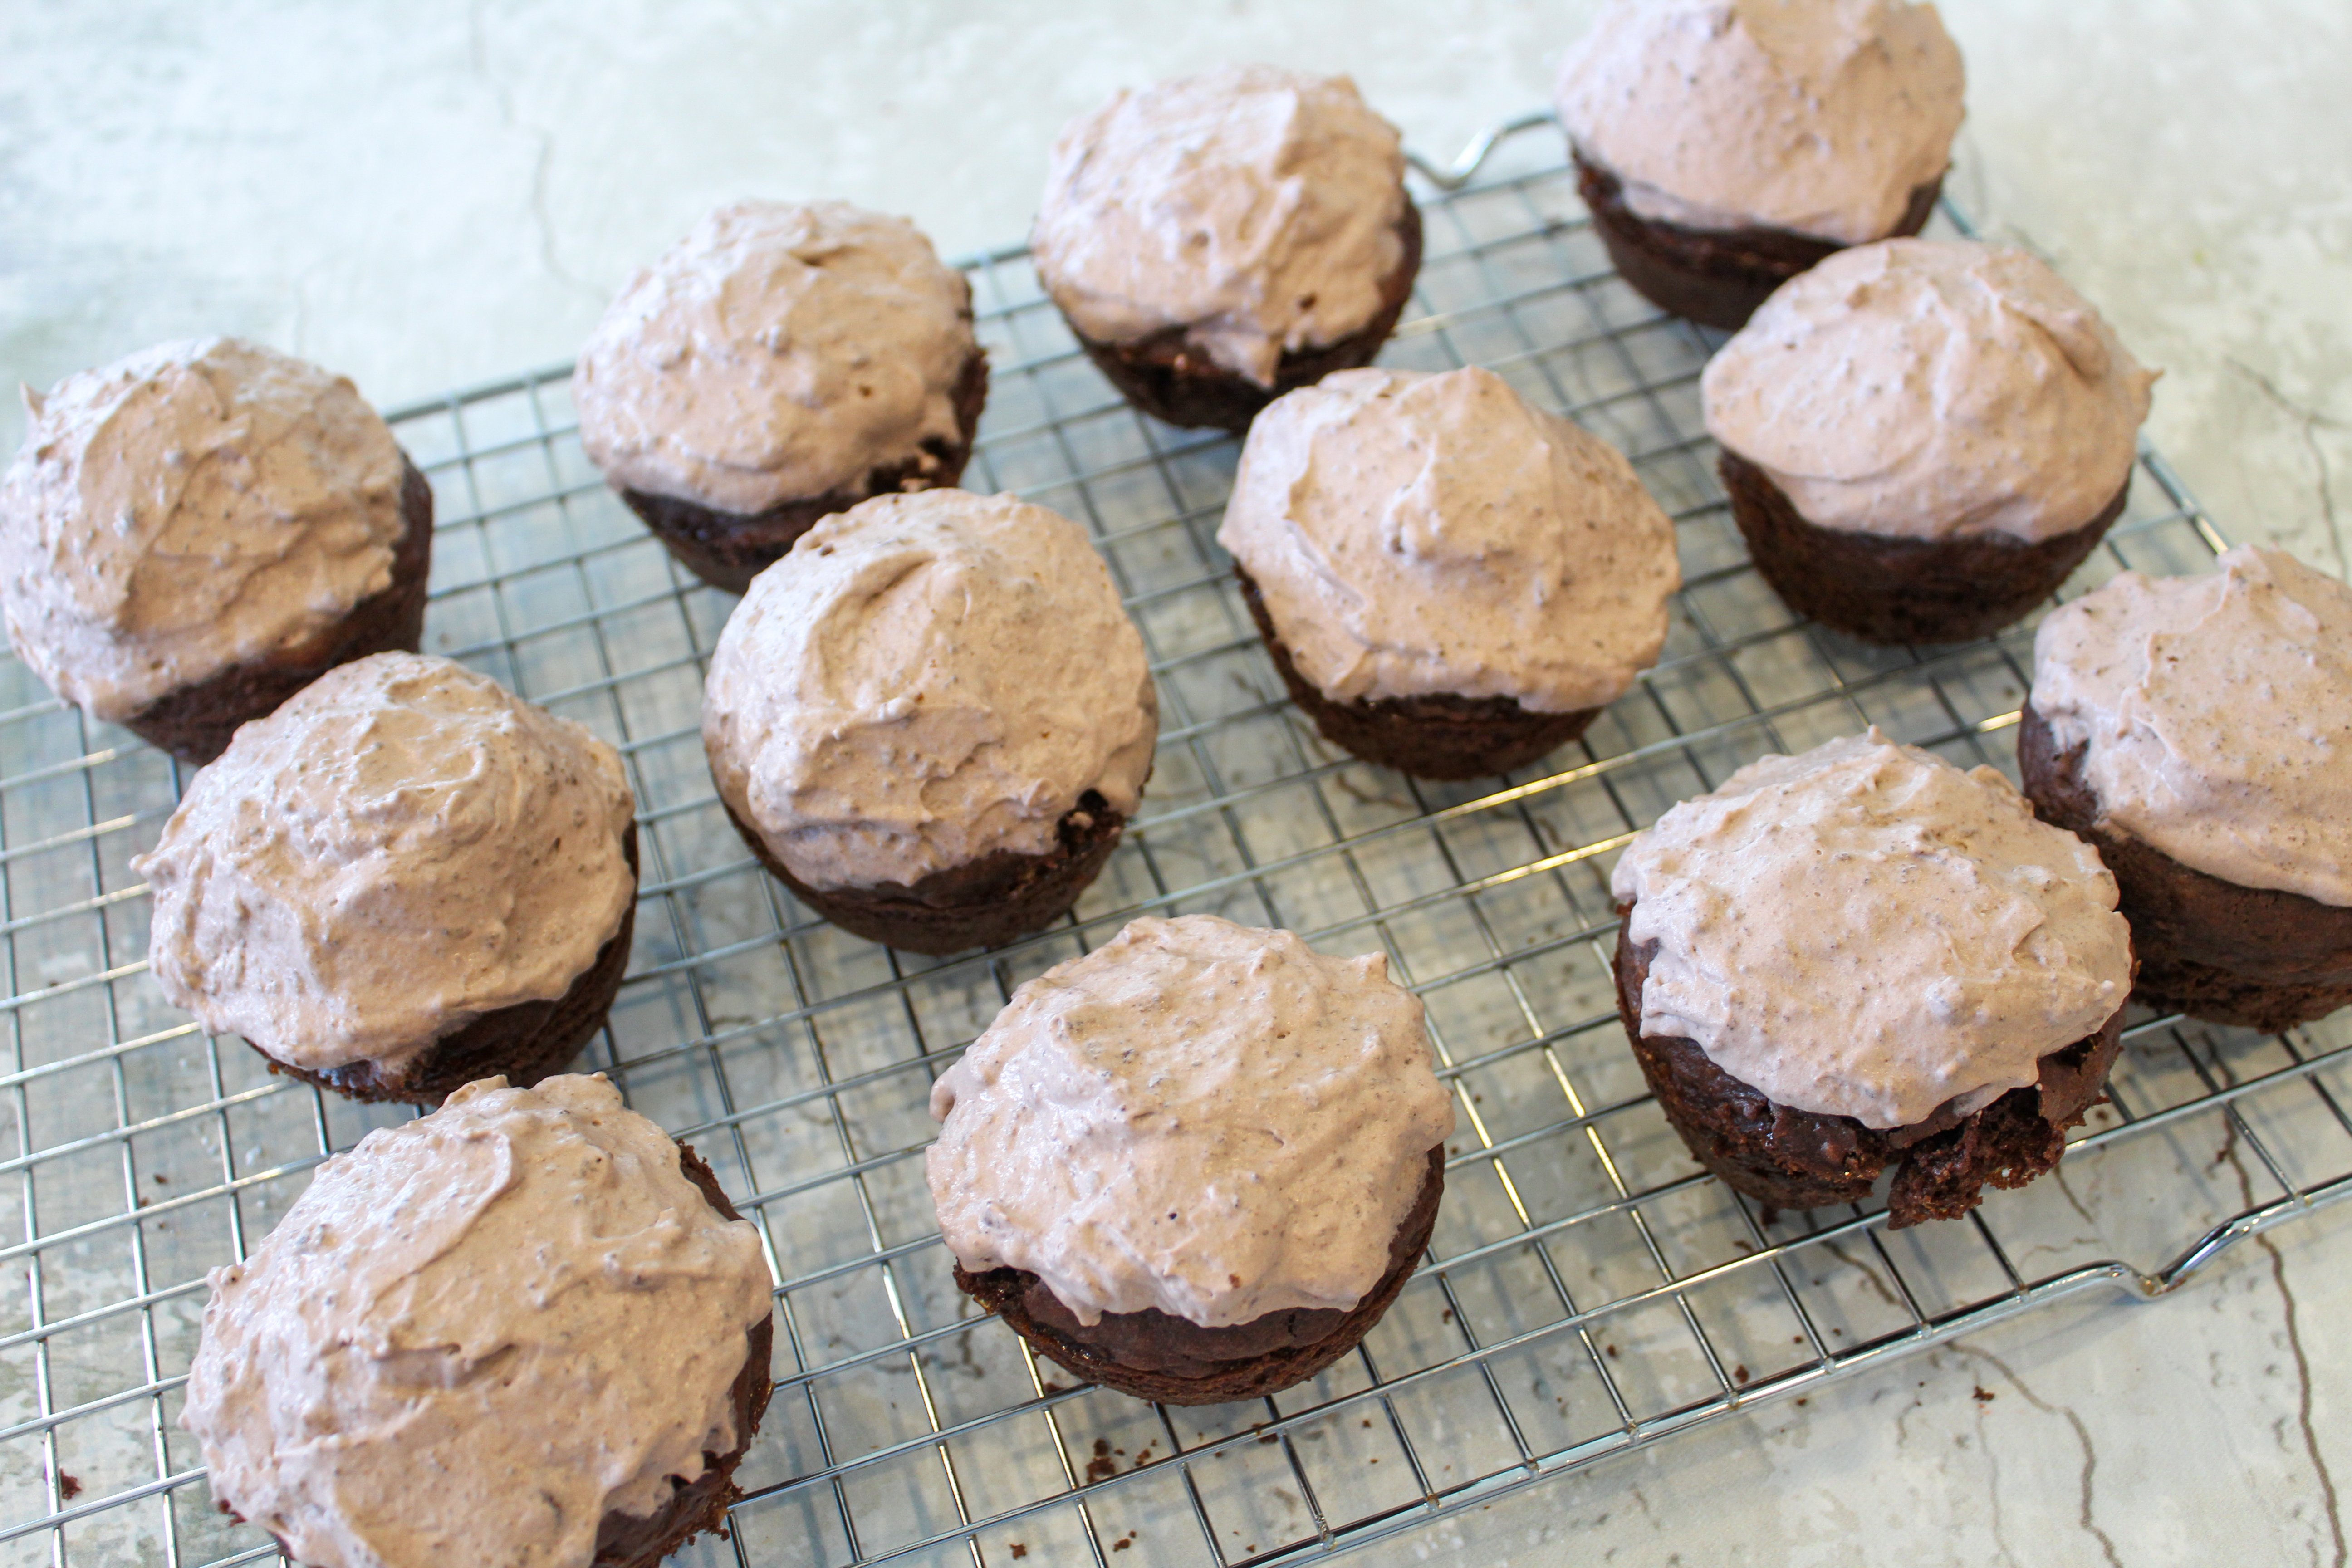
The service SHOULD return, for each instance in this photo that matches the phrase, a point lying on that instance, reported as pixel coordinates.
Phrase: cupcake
(1863, 958)
(1922, 438)
(191, 535)
(781, 362)
(932, 720)
(1725, 146)
(1197, 1165)
(404, 879)
(2198, 731)
(527, 1328)
(1451, 582)
(1218, 239)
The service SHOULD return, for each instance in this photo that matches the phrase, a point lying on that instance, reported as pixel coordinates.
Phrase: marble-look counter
(425, 196)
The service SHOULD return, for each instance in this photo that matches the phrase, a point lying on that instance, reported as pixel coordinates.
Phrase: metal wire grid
(1588, 1288)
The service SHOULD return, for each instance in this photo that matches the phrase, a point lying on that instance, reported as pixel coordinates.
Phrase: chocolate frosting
(194, 507)
(1253, 207)
(401, 848)
(926, 680)
(475, 1335)
(1816, 116)
(1932, 389)
(1202, 1118)
(2216, 714)
(777, 353)
(1420, 535)
(1866, 931)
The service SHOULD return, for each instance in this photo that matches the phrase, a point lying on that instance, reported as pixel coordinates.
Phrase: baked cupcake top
(778, 353)
(401, 848)
(2216, 714)
(1819, 117)
(1256, 208)
(925, 679)
(194, 507)
(1200, 1116)
(1866, 931)
(1932, 389)
(476, 1334)
(1414, 534)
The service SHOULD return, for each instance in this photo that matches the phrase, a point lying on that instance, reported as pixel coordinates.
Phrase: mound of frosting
(403, 847)
(1255, 208)
(925, 679)
(1932, 389)
(196, 505)
(1200, 1116)
(2217, 715)
(1866, 931)
(1818, 117)
(777, 353)
(1414, 534)
(476, 1334)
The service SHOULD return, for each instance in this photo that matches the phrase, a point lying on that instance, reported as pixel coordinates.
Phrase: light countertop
(424, 196)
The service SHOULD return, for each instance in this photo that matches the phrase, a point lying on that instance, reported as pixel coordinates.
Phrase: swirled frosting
(1932, 389)
(401, 848)
(196, 505)
(1253, 207)
(2217, 716)
(1818, 117)
(1413, 534)
(476, 1334)
(778, 353)
(1866, 931)
(1200, 1117)
(925, 679)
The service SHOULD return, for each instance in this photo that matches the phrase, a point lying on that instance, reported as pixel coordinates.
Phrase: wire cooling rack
(1589, 1289)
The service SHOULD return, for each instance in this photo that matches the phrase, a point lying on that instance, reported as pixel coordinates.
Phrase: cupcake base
(195, 722)
(728, 549)
(2213, 948)
(1890, 590)
(1791, 1159)
(1153, 1355)
(1001, 896)
(1170, 380)
(526, 1042)
(1439, 737)
(1716, 277)
(628, 1541)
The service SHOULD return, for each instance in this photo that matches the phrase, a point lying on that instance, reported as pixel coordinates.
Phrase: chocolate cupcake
(1217, 240)
(781, 362)
(1922, 438)
(1197, 1165)
(932, 720)
(1863, 958)
(404, 880)
(1725, 146)
(527, 1328)
(1451, 583)
(191, 535)
(2198, 731)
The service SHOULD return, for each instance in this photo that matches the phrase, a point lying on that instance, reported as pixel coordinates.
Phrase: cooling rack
(1589, 1289)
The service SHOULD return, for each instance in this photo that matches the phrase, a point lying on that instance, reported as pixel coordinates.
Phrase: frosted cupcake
(1863, 958)
(191, 535)
(406, 879)
(1723, 146)
(1451, 582)
(1216, 240)
(1197, 1165)
(527, 1328)
(781, 362)
(2198, 730)
(1922, 438)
